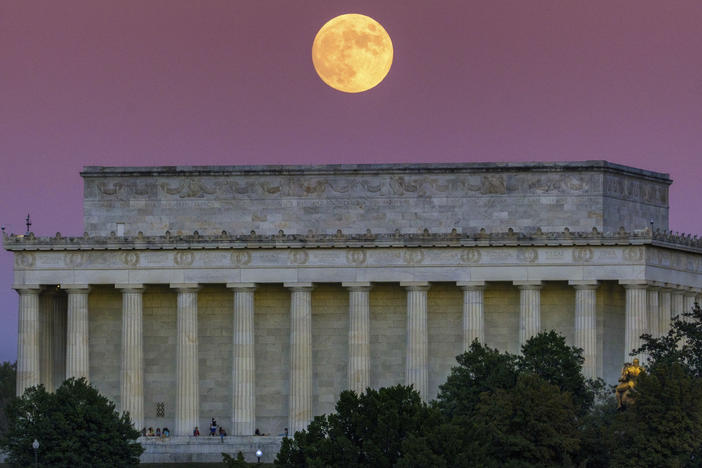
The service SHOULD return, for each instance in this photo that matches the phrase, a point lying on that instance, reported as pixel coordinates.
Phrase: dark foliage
(664, 427)
(681, 345)
(8, 376)
(75, 426)
(480, 369)
(548, 356)
(366, 430)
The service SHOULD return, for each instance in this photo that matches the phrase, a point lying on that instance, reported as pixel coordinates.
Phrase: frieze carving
(356, 257)
(130, 258)
(633, 254)
(25, 259)
(493, 184)
(470, 256)
(74, 259)
(189, 188)
(413, 256)
(241, 257)
(583, 254)
(528, 255)
(114, 189)
(184, 258)
(299, 257)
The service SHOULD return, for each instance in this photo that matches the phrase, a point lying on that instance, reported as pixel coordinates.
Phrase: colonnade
(41, 321)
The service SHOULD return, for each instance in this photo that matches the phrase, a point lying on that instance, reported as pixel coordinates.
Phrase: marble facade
(257, 294)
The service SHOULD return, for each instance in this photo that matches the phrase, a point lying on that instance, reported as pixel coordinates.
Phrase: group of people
(214, 430)
(159, 433)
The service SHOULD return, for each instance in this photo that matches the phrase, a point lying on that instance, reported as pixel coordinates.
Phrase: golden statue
(630, 374)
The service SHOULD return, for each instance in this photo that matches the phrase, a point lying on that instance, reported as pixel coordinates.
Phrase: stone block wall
(382, 198)
(105, 340)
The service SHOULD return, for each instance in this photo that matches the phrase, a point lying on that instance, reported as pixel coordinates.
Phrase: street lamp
(35, 446)
(259, 454)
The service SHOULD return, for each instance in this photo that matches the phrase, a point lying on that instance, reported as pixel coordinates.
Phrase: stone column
(473, 312)
(636, 318)
(59, 340)
(243, 360)
(358, 372)
(46, 319)
(132, 370)
(300, 405)
(417, 354)
(664, 310)
(529, 309)
(689, 300)
(187, 375)
(586, 324)
(28, 372)
(652, 305)
(676, 302)
(77, 339)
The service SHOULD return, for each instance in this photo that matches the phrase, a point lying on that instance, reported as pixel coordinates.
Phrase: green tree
(480, 369)
(532, 424)
(8, 377)
(365, 430)
(75, 426)
(231, 462)
(548, 356)
(681, 345)
(664, 427)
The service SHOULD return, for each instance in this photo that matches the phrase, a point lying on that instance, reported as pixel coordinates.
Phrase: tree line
(535, 409)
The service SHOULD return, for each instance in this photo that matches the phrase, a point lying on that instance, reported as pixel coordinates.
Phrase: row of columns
(648, 310)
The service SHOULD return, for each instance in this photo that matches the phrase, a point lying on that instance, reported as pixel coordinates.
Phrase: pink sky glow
(175, 82)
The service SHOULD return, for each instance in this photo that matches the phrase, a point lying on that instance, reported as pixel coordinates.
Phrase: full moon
(352, 53)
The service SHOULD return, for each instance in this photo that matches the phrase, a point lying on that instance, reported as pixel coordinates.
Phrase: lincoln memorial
(256, 294)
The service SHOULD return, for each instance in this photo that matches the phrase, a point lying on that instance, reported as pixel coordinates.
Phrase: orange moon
(352, 53)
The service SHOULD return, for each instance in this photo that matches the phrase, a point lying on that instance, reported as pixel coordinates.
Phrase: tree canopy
(8, 376)
(76, 427)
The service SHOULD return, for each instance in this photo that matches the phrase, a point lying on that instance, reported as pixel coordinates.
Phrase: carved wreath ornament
(241, 257)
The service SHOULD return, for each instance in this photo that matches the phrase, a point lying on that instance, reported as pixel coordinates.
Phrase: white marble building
(256, 294)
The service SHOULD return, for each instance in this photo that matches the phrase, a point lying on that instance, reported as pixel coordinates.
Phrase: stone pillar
(636, 318)
(677, 302)
(46, 319)
(243, 360)
(689, 300)
(59, 340)
(187, 375)
(28, 372)
(664, 310)
(473, 312)
(300, 405)
(417, 354)
(586, 324)
(132, 370)
(77, 339)
(529, 309)
(358, 371)
(652, 306)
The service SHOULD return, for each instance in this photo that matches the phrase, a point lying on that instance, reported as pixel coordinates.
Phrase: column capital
(470, 285)
(584, 284)
(130, 287)
(634, 284)
(75, 288)
(186, 287)
(357, 285)
(299, 286)
(537, 284)
(415, 285)
(242, 286)
(27, 288)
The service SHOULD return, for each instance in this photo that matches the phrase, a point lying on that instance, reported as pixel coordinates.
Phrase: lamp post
(35, 446)
(259, 454)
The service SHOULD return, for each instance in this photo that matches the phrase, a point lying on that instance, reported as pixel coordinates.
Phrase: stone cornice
(361, 169)
(340, 240)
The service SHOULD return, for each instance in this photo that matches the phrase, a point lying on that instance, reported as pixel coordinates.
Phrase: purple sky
(168, 82)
